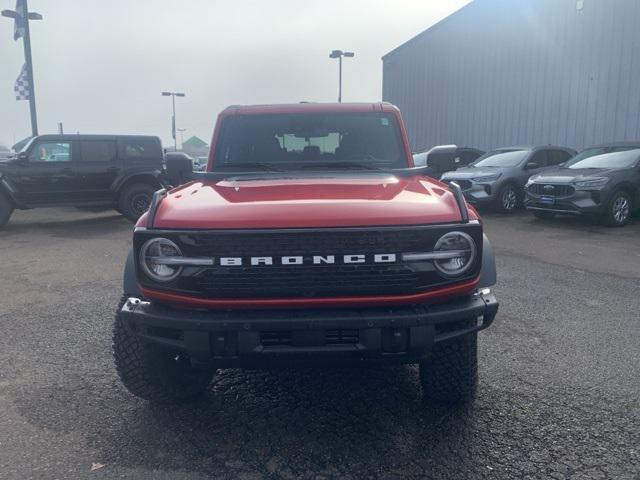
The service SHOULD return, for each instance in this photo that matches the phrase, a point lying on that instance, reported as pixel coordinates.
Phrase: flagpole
(27, 58)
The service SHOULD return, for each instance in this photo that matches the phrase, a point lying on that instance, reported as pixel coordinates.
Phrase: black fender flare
(488, 274)
(130, 285)
(123, 179)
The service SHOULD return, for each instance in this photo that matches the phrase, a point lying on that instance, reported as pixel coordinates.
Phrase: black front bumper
(255, 339)
(581, 202)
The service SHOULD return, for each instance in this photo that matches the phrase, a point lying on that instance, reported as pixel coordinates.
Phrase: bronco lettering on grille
(311, 260)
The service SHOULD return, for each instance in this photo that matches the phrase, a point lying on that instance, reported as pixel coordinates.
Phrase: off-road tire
(6, 209)
(450, 374)
(543, 215)
(135, 199)
(613, 217)
(508, 199)
(152, 373)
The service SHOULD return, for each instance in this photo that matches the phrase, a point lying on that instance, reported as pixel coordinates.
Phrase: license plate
(547, 200)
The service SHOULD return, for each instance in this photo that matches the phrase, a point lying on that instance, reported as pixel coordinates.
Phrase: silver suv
(498, 177)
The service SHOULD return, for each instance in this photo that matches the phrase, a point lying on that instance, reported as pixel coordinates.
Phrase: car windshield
(290, 141)
(605, 157)
(501, 158)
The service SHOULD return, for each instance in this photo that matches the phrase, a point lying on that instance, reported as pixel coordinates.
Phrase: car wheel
(6, 209)
(508, 199)
(135, 200)
(153, 373)
(450, 374)
(542, 215)
(619, 209)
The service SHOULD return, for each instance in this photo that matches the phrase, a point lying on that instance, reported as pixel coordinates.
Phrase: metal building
(513, 72)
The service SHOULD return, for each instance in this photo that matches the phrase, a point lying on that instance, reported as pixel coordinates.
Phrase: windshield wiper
(243, 165)
(339, 165)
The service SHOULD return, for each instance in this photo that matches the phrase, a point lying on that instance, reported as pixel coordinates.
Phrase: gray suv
(498, 177)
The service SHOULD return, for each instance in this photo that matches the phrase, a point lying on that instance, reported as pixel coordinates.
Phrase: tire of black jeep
(543, 215)
(450, 374)
(153, 373)
(135, 200)
(508, 200)
(619, 208)
(6, 209)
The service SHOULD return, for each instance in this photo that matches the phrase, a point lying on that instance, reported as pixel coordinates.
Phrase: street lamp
(173, 96)
(339, 54)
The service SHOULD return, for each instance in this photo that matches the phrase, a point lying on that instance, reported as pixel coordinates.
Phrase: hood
(569, 175)
(311, 201)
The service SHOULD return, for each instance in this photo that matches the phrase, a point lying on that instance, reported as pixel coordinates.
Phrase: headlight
(592, 183)
(155, 259)
(457, 251)
(487, 178)
(531, 181)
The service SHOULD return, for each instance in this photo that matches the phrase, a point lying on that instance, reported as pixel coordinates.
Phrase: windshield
(501, 158)
(605, 157)
(289, 141)
(595, 151)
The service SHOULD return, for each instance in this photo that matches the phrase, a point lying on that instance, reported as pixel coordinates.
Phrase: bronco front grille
(309, 280)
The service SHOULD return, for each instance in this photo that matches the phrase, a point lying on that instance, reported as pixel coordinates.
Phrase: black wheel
(542, 215)
(508, 199)
(619, 209)
(135, 200)
(450, 375)
(6, 209)
(153, 373)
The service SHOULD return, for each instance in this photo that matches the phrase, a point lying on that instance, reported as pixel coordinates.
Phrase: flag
(19, 25)
(21, 87)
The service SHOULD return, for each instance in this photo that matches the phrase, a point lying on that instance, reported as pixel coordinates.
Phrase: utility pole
(173, 96)
(22, 21)
(339, 54)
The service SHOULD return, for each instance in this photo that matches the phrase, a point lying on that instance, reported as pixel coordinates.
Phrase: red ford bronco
(311, 239)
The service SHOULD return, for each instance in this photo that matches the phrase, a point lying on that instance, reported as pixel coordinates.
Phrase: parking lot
(558, 394)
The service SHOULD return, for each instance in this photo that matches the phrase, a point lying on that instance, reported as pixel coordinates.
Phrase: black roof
(79, 136)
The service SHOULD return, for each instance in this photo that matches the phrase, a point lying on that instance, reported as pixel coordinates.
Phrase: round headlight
(458, 253)
(156, 259)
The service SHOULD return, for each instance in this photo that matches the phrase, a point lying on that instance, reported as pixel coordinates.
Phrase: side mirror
(21, 159)
(532, 166)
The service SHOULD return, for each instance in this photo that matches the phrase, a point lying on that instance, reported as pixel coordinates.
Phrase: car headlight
(457, 251)
(531, 181)
(156, 259)
(592, 183)
(487, 178)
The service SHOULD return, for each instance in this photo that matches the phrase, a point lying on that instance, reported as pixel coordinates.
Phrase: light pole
(22, 19)
(173, 96)
(339, 54)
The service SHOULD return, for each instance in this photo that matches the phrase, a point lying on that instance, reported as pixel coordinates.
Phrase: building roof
(194, 142)
(428, 30)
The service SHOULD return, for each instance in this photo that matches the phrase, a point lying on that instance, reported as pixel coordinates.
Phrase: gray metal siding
(513, 72)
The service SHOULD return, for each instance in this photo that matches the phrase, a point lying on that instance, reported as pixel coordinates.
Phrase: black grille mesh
(551, 190)
(308, 280)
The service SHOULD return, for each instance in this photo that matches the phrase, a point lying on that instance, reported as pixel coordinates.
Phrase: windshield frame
(400, 160)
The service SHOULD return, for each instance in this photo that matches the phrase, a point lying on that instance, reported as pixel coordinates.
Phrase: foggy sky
(100, 65)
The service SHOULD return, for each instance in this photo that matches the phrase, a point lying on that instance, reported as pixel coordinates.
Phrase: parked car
(497, 178)
(309, 241)
(117, 171)
(602, 180)
(445, 158)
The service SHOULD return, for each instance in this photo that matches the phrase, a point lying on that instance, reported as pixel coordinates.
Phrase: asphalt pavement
(558, 394)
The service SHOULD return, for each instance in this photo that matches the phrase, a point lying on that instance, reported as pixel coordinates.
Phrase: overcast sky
(100, 65)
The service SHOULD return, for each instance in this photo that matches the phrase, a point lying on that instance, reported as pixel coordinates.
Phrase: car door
(47, 176)
(97, 168)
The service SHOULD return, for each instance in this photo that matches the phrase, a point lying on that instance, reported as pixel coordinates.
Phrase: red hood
(313, 201)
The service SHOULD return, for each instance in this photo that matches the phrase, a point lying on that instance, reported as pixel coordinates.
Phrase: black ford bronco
(118, 171)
